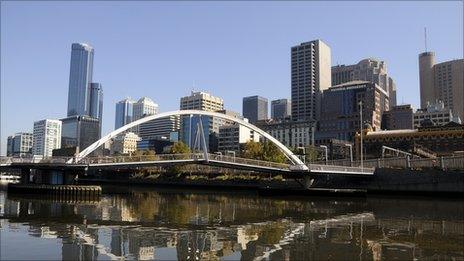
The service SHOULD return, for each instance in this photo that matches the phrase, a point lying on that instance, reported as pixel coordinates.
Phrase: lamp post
(326, 153)
(351, 153)
(304, 153)
(190, 131)
(361, 131)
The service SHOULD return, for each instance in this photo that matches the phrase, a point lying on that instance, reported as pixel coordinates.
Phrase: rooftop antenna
(425, 38)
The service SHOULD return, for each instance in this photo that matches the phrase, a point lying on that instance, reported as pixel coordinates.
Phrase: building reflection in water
(194, 226)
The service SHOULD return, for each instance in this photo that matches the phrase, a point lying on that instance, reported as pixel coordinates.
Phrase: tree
(272, 153)
(180, 148)
(266, 151)
(252, 150)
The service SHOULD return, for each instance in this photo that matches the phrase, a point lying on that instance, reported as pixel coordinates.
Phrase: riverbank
(425, 182)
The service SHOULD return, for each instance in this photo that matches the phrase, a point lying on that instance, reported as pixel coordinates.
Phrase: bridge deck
(169, 159)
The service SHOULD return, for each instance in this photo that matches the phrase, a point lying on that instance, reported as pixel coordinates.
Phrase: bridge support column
(25, 176)
(307, 182)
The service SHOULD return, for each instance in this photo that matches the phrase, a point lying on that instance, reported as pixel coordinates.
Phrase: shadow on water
(161, 223)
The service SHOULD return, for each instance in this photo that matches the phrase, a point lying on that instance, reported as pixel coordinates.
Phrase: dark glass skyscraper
(255, 108)
(96, 100)
(80, 77)
(124, 112)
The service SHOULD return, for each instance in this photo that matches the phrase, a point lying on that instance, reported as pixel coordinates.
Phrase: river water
(186, 224)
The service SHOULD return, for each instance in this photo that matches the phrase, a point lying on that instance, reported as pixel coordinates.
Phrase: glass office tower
(80, 77)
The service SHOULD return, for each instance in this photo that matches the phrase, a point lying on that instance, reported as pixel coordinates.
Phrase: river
(187, 224)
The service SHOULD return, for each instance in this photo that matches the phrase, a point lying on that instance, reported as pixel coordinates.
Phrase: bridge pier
(307, 182)
(25, 176)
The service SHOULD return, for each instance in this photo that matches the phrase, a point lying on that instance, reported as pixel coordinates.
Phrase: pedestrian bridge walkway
(128, 162)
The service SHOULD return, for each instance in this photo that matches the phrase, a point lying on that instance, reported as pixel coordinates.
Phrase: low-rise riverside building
(439, 140)
(435, 112)
(125, 143)
(232, 137)
(398, 118)
(290, 133)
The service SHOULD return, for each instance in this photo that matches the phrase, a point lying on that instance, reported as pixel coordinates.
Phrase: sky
(164, 50)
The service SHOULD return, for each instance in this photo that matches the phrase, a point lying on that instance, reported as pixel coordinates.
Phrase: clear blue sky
(231, 49)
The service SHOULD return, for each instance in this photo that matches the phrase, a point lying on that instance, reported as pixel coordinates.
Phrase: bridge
(83, 161)
(146, 161)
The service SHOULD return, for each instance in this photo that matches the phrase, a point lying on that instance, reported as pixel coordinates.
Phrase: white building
(292, 134)
(125, 143)
(46, 137)
(201, 101)
(232, 137)
(437, 113)
(144, 107)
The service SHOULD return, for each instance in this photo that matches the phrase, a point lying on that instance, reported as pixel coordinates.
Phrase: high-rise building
(254, 108)
(205, 102)
(442, 82)
(10, 146)
(159, 128)
(80, 77)
(124, 112)
(369, 69)
(280, 109)
(144, 107)
(341, 118)
(310, 74)
(47, 137)
(22, 144)
(398, 117)
(79, 131)
(201, 101)
(96, 100)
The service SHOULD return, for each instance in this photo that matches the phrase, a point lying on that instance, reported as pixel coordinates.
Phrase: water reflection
(174, 224)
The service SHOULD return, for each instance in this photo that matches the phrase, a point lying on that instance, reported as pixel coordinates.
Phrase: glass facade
(96, 100)
(124, 113)
(190, 128)
(79, 131)
(255, 108)
(80, 77)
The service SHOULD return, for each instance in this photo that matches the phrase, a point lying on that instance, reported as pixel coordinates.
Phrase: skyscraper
(340, 105)
(205, 102)
(96, 100)
(144, 107)
(47, 137)
(124, 112)
(79, 131)
(370, 69)
(80, 77)
(280, 109)
(310, 74)
(442, 82)
(254, 108)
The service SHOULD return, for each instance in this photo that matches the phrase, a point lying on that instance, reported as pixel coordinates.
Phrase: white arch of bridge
(288, 153)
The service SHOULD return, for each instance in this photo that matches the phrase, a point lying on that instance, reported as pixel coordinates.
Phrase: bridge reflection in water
(170, 224)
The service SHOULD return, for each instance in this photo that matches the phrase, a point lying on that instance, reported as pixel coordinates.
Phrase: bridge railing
(333, 168)
(448, 162)
(245, 161)
(140, 158)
